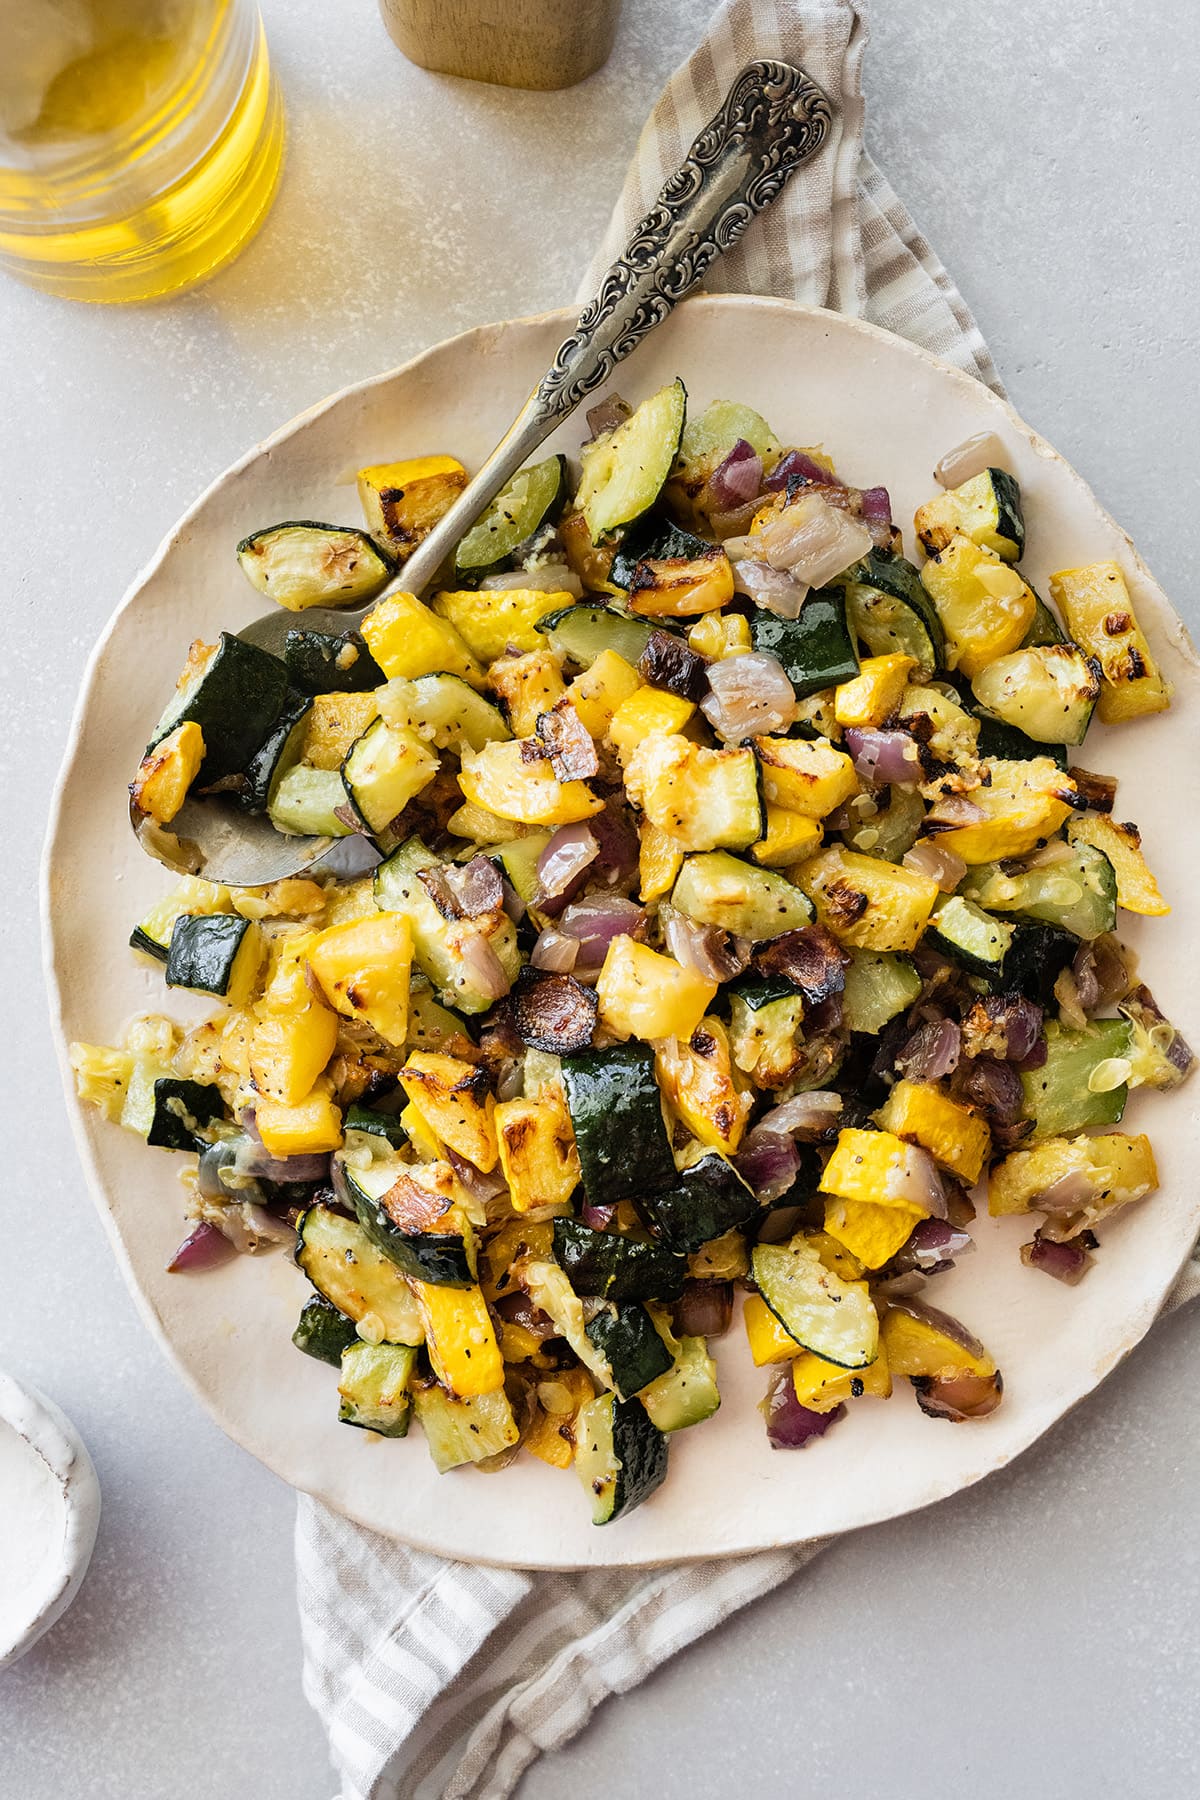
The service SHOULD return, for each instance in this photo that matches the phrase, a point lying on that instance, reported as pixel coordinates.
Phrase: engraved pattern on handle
(774, 117)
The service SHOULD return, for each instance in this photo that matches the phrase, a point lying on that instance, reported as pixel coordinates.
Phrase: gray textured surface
(1037, 1634)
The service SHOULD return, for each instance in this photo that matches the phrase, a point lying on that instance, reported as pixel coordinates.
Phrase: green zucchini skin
(1036, 958)
(613, 1100)
(204, 948)
(632, 1348)
(323, 1332)
(352, 1275)
(434, 1256)
(235, 702)
(281, 748)
(605, 1266)
(972, 937)
(1045, 628)
(891, 612)
(1057, 1097)
(687, 1393)
(581, 632)
(181, 1111)
(620, 1457)
(317, 664)
(816, 650)
(534, 497)
(379, 1124)
(658, 539)
(708, 1199)
(398, 888)
(371, 1376)
(1005, 743)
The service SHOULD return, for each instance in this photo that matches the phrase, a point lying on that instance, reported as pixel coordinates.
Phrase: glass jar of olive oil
(140, 142)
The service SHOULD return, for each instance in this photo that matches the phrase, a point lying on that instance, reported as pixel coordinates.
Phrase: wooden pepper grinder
(515, 43)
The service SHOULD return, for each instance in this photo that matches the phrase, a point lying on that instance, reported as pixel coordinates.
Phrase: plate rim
(1168, 621)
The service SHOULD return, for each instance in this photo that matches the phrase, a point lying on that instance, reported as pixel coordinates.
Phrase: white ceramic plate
(886, 412)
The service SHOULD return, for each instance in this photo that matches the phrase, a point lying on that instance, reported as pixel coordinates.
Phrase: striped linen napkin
(440, 1680)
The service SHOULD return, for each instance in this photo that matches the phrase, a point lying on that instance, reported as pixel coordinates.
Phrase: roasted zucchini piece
(722, 890)
(668, 573)
(303, 563)
(626, 1338)
(234, 692)
(463, 1431)
(608, 1266)
(403, 501)
(323, 1332)
(878, 986)
(445, 710)
(1100, 617)
(704, 799)
(352, 1275)
(986, 509)
(823, 1313)
(279, 752)
(624, 470)
(1083, 1081)
(152, 935)
(817, 649)
(686, 1393)
(582, 633)
(707, 440)
(384, 769)
(182, 1110)
(443, 1258)
(373, 1391)
(1137, 890)
(439, 944)
(765, 1018)
(1077, 892)
(215, 953)
(972, 937)
(534, 496)
(984, 606)
(317, 664)
(620, 1456)
(1048, 692)
(707, 1199)
(616, 1112)
(889, 611)
(305, 802)
(1024, 804)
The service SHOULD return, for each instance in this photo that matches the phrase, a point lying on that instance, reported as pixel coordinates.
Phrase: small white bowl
(57, 1497)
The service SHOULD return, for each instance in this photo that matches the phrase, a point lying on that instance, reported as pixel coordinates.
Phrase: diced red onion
(958, 1398)
(791, 1426)
(932, 1052)
(936, 863)
(738, 478)
(1067, 1262)
(877, 515)
(1141, 1006)
(970, 458)
(811, 959)
(813, 541)
(479, 1186)
(435, 879)
(768, 1162)
(595, 921)
(994, 1087)
(1101, 976)
(810, 1116)
(917, 1181)
(1006, 1026)
(597, 1218)
(936, 1242)
(518, 1309)
(705, 948)
(476, 886)
(256, 1160)
(1070, 1001)
(796, 466)
(568, 743)
(481, 964)
(1097, 791)
(555, 951)
(607, 414)
(774, 590)
(952, 811)
(1070, 1193)
(749, 696)
(704, 1309)
(563, 863)
(203, 1248)
(249, 1227)
(881, 757)
(617, 841)
(546, 578)
(512, 902)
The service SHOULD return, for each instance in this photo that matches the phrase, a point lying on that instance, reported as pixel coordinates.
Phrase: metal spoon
(773, 118)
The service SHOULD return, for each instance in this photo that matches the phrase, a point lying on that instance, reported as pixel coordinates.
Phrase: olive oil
(140, 142)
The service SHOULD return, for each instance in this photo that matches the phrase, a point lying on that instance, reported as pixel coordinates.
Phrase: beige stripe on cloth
(439, 1680)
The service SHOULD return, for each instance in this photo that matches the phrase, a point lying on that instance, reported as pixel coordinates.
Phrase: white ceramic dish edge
(1136, 1322)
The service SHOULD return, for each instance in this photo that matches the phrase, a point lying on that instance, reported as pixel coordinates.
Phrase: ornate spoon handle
(774, 118)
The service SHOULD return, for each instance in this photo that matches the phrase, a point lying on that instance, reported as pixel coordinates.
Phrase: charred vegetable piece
(386, 768)
(305, 563)
(610, 1267)
(352, 1275)
(1047, 691)
(280, 751)
(554, 1013)
(889, 611)
(708, 1199)
(435, 1256)
(403, 501)
(668, 663)
(620, 1456)
(1100, 617)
